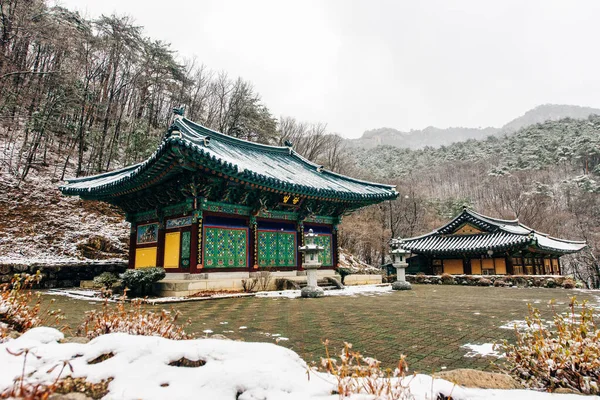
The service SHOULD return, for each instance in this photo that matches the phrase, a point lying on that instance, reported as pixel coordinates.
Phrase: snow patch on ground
(78, 294)
(364, 290)
(521, 325)
(232, 370)
(483, 350)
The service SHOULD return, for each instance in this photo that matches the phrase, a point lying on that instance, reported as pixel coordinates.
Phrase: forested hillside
(570, 144)
(99, 94)
(547, 175)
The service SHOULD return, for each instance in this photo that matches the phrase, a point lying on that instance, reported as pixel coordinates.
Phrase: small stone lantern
(311, 264)
(399, 256)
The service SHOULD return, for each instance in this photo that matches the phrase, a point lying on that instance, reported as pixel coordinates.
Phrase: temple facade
(208, 202)
(473, 243)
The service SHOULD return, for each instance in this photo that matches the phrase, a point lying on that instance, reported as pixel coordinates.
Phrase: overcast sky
(359, 65)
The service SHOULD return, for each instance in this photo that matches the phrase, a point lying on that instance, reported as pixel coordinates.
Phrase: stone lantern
(399, 256)
(311, 264)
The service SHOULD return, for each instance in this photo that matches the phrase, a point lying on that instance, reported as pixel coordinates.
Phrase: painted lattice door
(324, 239)
(225, 247)
(276, 249)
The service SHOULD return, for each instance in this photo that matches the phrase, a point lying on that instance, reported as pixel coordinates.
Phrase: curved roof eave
(130, 173)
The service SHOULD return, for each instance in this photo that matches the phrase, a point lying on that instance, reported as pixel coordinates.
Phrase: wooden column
(334, 247)
(194, 247)
(509, 265)
(299, 242)
(200, 243)
(253, 242)
(132, 244)
(160, 244)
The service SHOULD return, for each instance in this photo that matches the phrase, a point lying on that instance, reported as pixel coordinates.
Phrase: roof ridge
(231, 139)
(492, 219)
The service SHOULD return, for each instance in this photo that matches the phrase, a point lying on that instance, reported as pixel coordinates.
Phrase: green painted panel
(324, 240)
(276, 249)
(286, 249)
(225, 248)
(185, 249)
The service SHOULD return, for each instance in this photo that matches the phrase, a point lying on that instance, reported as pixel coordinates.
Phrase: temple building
(208, 202)
(476, 244)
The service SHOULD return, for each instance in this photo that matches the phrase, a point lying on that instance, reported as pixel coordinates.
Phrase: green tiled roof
(266, 167)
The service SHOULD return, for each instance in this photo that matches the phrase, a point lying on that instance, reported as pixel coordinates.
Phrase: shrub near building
(496, 280)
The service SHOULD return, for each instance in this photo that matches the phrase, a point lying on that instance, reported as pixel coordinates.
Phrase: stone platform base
(356, 279)
(180, 285)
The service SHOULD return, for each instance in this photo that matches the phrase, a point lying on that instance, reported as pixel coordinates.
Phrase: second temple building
(476, 244)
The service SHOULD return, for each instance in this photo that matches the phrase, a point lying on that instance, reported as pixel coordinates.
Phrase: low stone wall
(61, 275)
(361, 279)
(547, 281)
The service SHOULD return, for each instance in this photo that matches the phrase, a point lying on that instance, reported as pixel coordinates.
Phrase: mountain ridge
(436, 137)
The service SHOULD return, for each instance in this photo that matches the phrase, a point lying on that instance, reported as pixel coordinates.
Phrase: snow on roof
(271, 166)
(498, 234)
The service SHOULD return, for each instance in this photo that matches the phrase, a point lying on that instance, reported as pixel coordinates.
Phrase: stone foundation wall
(361, 279)
(61, 275)
(547, 281)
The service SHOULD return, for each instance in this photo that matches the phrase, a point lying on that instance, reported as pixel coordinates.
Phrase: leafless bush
(264, 279)
(20, 308)
(363, 375)
(249, 285)
(135, 321)
(567, 356)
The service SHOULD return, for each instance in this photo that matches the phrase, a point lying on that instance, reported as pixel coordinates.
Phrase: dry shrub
(264, 279)
(249, 285)
(22, 389)
(363, 375)
(500, 282)
(135, 321)
(420, 277)
(567, 356)
(20, 308)
(568, 283)
(447, 279)
(80, 385)
(484, 282)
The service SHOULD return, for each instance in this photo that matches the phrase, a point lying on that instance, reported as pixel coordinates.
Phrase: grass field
(429, 324)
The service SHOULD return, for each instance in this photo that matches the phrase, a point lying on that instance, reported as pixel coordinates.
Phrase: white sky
(359, 65)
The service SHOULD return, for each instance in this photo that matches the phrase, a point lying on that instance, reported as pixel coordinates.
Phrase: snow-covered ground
(232, 370)
(40, 225)
(362, 290)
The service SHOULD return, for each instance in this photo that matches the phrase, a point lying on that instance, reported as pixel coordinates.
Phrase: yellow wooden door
(145, 257)
(172, 243)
